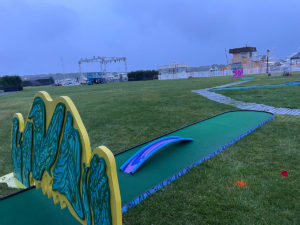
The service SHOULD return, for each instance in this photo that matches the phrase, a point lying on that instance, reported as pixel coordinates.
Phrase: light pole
(268, 52)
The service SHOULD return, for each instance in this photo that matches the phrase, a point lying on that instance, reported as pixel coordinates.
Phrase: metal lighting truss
(103, 61)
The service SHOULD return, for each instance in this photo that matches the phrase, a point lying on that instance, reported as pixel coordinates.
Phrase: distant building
(172, 69)
(295, 59)
(182, 71)
(244, 58)
(185, 68)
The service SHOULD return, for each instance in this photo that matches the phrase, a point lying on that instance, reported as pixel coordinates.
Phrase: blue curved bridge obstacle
(132, 164)
(89, 185)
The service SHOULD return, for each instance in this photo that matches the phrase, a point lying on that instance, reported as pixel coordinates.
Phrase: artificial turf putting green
(32, 207)
(210, 136)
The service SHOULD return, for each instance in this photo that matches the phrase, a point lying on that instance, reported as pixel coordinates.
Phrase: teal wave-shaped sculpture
(45, 147)
(16, 150)
(98, 191)
(85, 198)
(26, 153)
(66, 172)
(57, 158)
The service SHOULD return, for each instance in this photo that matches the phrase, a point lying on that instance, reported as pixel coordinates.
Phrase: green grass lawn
(120, 115)
(288, 97)
(208, 195)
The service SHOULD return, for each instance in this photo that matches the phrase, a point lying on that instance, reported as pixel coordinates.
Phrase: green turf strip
(248, 78)
(208, 135)
(294, 83)
(241, 78)
(32, 207)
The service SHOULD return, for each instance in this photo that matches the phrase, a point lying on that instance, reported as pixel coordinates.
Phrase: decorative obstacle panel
(237, 70)
(51, 150)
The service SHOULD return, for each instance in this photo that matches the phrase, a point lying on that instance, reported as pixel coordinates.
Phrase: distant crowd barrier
(184, 75)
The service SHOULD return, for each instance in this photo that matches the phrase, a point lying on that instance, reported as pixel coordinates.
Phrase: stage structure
(103, 61)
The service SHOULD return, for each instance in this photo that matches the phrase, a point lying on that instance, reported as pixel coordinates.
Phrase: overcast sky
(50, 36)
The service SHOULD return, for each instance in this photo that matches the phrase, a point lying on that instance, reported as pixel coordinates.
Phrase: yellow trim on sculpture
(20, 118)
(18, 184)
(115, 200)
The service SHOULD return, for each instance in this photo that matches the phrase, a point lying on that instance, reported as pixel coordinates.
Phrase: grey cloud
(148, 33)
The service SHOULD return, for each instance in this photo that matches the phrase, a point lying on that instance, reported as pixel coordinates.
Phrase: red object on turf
(241, 183)
(284, 173)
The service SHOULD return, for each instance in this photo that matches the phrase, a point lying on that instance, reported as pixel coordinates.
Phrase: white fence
(292, 68)
(184, 75)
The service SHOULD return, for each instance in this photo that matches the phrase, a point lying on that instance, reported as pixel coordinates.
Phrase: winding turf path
(244, 105)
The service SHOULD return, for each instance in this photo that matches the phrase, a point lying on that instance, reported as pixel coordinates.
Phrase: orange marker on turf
(241, 183)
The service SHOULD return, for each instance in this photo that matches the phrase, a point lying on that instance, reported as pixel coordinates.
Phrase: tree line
(11, 83)
(142, 75)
